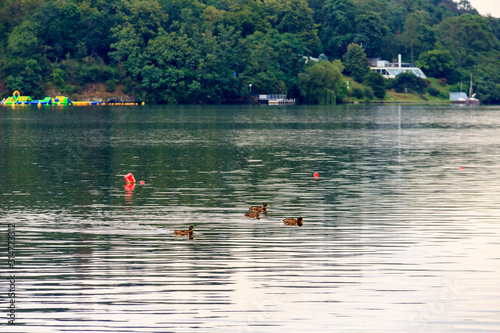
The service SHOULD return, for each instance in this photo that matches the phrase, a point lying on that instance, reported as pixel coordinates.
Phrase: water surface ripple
(401, 229)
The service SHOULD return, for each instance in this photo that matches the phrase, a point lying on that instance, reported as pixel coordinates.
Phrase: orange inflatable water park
(17, 99)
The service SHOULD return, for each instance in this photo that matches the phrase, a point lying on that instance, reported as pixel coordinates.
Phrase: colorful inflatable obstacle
(45, 101)
(61, 100)
(58, 100)
(17, 99)
(87, 103)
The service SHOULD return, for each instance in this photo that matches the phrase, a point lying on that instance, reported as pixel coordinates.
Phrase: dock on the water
(276, 99)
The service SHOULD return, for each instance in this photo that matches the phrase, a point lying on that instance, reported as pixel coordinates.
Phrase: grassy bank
(391, 96)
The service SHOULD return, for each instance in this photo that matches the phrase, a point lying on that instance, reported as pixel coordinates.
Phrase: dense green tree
(409, 82)
(176, 10)
(217, 65)
(418, 35)
(295, 17)
(494, 95)
(371, 32)
(13, 13)
(392, 13)
(247, 20)
(409, 35)
(355, 61)
(438, 64)
(377, 82)
(59, 29)
(466, 37)
(128, 49)
(317, 9)
(338, 26)
(28, 80)
(322, 83)
(144, 16)
(166, 74)
(96, 24)
(273, 61)
(494, 25)
(406, 81)
(23, 41)
(485, 75)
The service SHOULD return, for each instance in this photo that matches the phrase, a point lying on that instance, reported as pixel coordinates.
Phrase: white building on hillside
(390, 70)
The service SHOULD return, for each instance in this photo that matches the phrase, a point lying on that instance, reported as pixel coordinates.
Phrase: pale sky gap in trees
(486, 6)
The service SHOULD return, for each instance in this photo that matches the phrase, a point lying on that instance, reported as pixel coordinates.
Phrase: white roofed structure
(391, 70)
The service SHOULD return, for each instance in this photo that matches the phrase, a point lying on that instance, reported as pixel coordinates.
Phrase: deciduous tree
(322, 83)
(376, 82)
(355, 61)
(338, 26)
(438, 64)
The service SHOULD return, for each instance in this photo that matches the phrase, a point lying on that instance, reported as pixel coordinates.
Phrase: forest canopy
(210, 51)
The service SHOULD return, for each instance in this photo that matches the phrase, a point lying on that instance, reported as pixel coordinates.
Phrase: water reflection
(129, 193)
(395, 238)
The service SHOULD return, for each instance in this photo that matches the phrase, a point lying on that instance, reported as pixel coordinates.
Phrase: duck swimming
(298, 221)
(259, 209)
(185, 232)
(253, 215)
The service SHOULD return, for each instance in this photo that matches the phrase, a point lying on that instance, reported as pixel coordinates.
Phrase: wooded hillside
(185, 51)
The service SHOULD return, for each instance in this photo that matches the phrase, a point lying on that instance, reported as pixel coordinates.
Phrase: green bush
(111, 85)
(130, 86)
(357, 92)
(391, 83)
(88, 71)
(433, 91)
(28, 80)
(376, 82)
(457, 87)
(368, 92)
(494, 95)
(67, 89)
(406, 82)
(57, 77)
(423, 84)
(95, 73)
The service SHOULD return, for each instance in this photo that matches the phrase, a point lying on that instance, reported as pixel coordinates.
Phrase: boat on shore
(466, 100)
(471, 100)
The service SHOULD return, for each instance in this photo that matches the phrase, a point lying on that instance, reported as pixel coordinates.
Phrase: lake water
(401, 228)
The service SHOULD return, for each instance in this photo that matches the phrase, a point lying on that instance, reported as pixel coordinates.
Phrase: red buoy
(316, 175)
(129, 178)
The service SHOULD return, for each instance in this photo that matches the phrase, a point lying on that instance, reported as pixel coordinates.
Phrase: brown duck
(259, 209)
(253, 215)
(185, 232)
(298, 221)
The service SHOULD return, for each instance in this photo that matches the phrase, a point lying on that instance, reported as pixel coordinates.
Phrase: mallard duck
(298, 221)
(185, 232)
(253, 215)
(259, 209)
